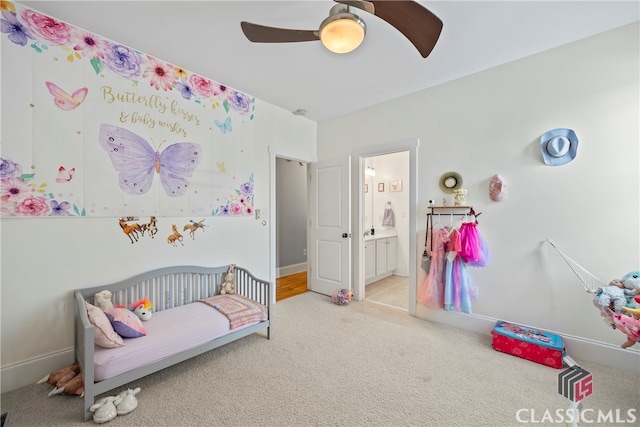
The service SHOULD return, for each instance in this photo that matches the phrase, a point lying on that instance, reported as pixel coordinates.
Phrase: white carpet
(358, 365)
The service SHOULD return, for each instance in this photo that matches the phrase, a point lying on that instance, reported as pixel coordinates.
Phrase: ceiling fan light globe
(342, 33)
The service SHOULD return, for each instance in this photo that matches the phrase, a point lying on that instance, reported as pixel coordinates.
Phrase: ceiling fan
(343, 30)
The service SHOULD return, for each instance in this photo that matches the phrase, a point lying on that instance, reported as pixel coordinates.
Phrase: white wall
(491, 122)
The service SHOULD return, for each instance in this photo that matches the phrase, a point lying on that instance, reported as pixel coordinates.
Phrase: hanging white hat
(559, 146)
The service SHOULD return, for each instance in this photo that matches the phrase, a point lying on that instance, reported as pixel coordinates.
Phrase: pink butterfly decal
(64, 175)
(137, 161)
(63, 100)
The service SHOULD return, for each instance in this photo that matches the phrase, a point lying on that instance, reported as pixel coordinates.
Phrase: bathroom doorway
(395, 182)
(385, 220)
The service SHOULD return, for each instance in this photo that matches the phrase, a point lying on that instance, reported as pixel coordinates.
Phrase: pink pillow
(126, 323)
(104, 335)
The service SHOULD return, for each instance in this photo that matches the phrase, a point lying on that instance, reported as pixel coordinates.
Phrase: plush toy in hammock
(623, 311)
(631, 282)
(629, 325)
(627, 320)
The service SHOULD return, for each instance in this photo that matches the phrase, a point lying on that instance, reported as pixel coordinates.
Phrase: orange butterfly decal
(63, 100)
(64, 175)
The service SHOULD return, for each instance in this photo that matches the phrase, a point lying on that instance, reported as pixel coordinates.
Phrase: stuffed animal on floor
(142, 309)
(128, 402)
(68, 380)
(56, 376)
(75, 386)
(228, 286)
(104, 409)
(342, 297)
(102, 300)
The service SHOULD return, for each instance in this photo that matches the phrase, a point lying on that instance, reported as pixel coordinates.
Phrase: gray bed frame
(166, 288)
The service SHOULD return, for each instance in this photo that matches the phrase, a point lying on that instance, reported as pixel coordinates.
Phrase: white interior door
(329, 226)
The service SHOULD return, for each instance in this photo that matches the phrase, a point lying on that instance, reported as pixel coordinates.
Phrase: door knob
(345, 236)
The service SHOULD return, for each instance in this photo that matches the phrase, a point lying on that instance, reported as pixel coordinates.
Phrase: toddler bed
(186, 322)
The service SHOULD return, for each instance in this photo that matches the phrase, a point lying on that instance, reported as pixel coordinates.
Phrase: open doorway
(410, 189)
(385, 219)
(291, 227)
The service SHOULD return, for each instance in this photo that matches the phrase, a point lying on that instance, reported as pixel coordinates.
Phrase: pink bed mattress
(168, 332)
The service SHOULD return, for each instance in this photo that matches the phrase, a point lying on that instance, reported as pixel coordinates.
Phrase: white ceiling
(205, 37)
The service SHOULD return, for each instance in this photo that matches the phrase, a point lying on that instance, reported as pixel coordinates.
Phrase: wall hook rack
(446, 210)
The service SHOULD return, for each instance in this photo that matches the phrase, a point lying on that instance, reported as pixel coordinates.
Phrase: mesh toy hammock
(627, 324)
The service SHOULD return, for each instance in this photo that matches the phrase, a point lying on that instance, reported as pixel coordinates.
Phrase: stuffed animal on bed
(102, 300)
(228, 285)
(142, 309)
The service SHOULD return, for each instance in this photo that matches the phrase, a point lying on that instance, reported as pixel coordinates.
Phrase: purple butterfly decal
(137, 161)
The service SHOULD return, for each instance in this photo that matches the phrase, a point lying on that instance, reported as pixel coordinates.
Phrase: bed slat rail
(165, 288)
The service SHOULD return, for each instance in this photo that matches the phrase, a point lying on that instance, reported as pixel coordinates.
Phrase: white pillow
(104, 334)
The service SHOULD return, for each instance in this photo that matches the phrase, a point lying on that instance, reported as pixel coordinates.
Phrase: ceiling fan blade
(263, 34)
(416, 22)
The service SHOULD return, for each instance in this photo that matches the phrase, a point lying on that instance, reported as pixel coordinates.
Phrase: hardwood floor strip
(291, 285)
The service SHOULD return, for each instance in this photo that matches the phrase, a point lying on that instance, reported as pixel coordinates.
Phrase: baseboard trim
(578, 348)
(401, 272)
(20, 374)
(291, 269)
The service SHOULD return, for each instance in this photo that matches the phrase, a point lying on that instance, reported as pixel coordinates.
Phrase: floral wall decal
(80, 82)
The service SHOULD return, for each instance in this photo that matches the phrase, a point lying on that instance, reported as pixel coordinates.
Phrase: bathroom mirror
(450, 181)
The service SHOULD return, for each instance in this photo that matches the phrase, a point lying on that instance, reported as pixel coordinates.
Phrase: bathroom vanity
(380, 252)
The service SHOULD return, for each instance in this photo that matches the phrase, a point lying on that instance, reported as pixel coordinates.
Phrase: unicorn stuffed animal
(142, 309)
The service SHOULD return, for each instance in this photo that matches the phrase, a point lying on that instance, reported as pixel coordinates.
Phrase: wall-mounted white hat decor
(559, 146)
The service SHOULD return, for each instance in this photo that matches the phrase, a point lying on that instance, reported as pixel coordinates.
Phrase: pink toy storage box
(531, 344)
